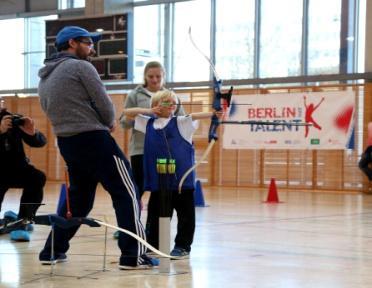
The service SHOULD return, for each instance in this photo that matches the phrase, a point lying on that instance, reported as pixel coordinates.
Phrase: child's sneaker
(179, 253)
(144, 262)
(20, 236)
(46, 259)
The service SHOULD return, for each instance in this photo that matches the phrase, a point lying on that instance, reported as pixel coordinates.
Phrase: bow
(218, 96)
(54, 219)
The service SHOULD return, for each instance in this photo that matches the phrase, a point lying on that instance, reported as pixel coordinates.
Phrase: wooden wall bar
(298, 169)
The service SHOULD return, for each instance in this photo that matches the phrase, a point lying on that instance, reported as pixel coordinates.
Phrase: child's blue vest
(167, 143)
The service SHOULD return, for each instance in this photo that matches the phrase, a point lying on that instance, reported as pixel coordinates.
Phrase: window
(161, 32)
(281, 38)
(34, 52)
(361, 36)
(235, 39)
(324, 36)
(188, 63)
(68, 4)
(79, 4)
(148, 38)
(11, 54)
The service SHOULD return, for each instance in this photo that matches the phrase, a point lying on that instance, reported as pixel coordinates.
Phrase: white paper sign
(329, 113)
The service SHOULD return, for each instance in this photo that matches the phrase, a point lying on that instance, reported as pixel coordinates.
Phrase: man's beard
(81, 54)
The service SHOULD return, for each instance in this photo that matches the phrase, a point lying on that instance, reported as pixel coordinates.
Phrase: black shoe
(143, 262)
(179, 253)
(46, 259)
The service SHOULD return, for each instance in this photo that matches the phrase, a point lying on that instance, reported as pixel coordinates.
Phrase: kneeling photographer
(16, 170)
(365, 162)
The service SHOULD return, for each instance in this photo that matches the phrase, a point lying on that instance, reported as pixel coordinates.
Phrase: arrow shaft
(248, 122)
(209, 104)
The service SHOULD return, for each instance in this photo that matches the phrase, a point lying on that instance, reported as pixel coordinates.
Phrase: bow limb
(204, 156)
(135, 236)
(205, 56)
(216, 105)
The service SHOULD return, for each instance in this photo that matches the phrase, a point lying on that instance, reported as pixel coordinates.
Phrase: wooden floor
(309, 240)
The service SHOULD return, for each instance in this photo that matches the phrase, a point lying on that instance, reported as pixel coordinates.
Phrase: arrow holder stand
(53, 221)
(165, 169)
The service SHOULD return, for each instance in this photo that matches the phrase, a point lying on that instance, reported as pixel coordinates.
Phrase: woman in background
(140, 97)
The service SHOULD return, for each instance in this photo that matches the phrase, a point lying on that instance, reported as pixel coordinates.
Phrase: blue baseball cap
(73, 32)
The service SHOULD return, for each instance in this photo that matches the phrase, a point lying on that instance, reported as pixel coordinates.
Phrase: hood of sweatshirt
(143, 90)
(52, 62)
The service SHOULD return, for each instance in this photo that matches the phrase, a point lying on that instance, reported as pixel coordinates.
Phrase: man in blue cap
(79, 35)
(82, 115)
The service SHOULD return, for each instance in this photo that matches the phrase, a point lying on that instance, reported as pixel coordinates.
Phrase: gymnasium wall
(297, 169)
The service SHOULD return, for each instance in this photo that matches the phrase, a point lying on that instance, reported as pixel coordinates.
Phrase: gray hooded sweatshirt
(73, 96)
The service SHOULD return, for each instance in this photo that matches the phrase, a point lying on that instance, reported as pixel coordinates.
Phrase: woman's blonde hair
(153, 64)
(163, 94)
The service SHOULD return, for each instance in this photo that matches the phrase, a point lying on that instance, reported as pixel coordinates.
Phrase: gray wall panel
(37, 5)
(19, 6)
(12, 6)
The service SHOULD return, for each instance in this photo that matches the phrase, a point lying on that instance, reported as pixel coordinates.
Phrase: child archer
(168, 136)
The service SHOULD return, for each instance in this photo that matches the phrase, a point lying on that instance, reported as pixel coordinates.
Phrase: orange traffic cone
(272, 196)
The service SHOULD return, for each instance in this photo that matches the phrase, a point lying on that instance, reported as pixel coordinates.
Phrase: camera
(17, 120)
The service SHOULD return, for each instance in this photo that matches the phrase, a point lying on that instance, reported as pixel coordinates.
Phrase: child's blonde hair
(163, 94)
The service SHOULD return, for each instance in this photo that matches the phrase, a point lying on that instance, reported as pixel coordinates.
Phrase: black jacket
(367, 155)
(12, 154)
